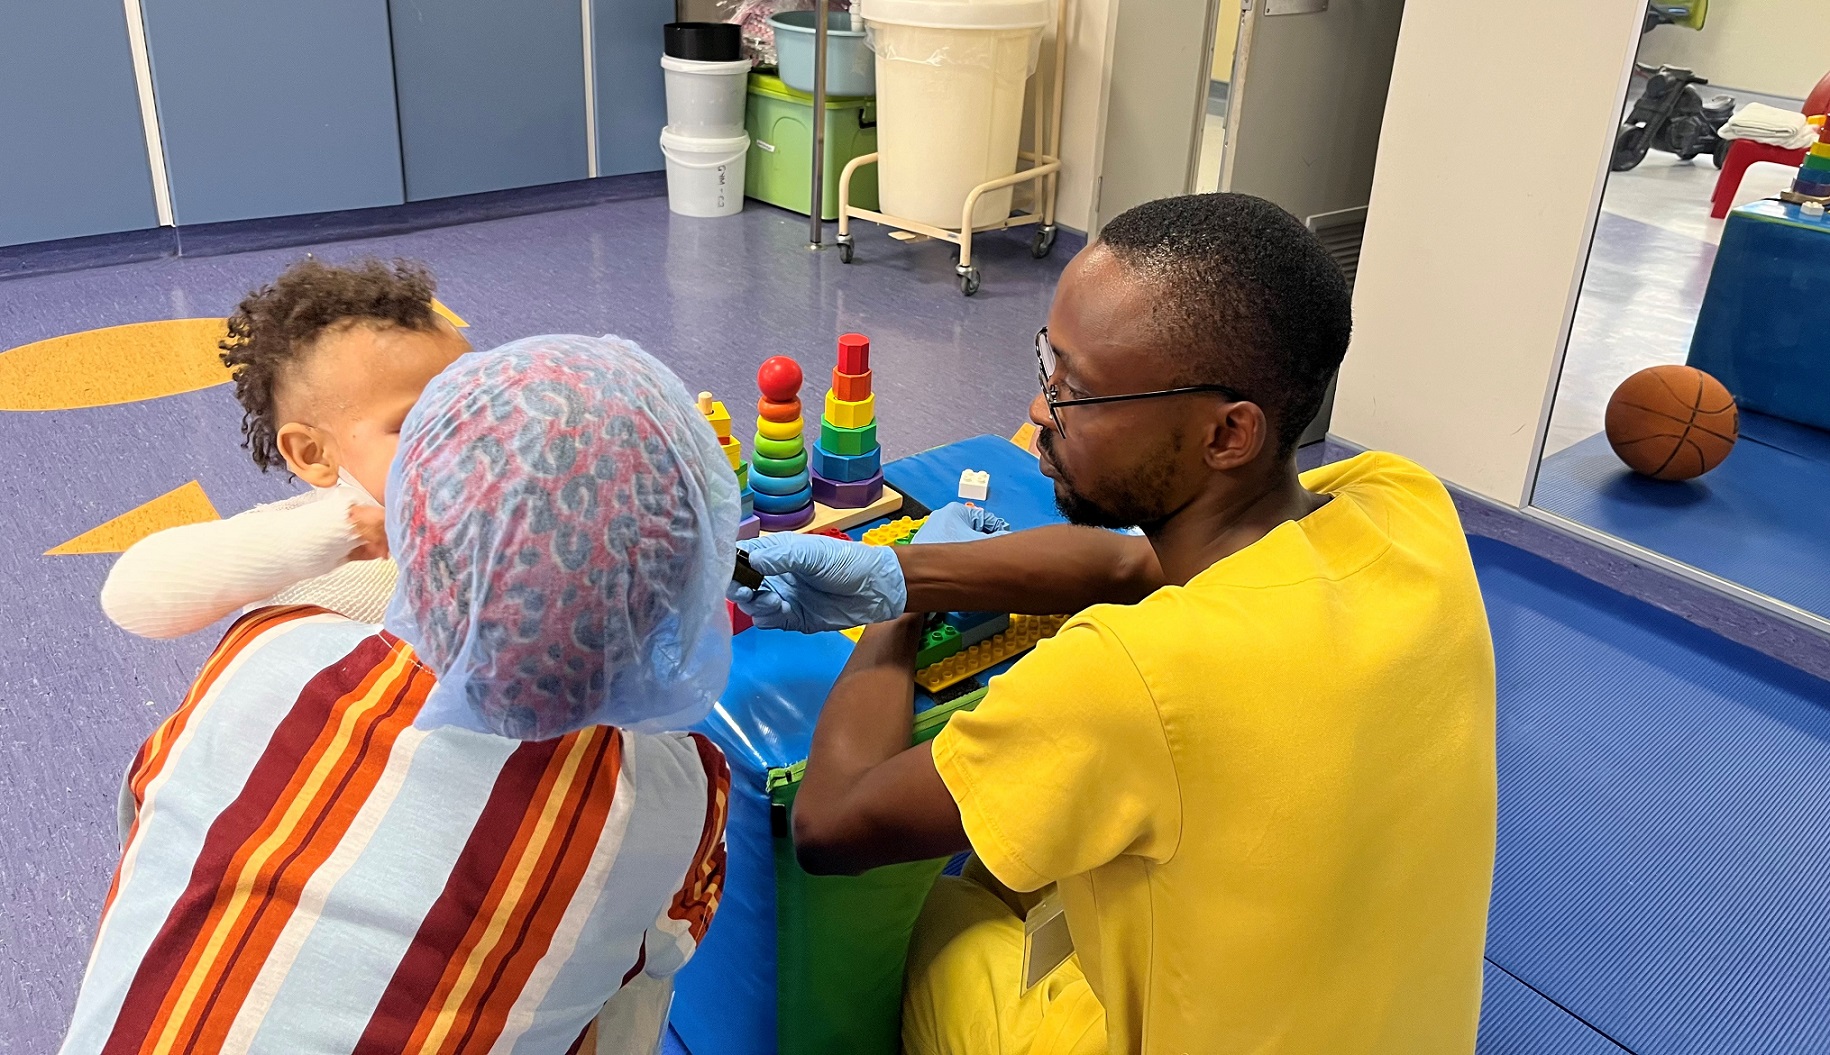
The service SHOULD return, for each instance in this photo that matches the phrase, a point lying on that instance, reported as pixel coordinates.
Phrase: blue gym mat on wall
(1761, 519)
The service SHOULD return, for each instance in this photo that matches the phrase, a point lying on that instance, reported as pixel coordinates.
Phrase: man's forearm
(1050, 570)
(868, 798)
(871, 710)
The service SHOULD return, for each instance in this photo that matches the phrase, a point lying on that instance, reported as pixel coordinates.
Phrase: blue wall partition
(631, 99)
(72, 148)
(492, 94)
(274, 107)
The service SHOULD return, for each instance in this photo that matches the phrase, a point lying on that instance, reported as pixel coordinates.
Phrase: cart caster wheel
(969, 281)
(1044, 242)
(845, 250)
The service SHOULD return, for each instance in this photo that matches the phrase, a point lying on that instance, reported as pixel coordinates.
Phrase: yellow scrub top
(1267, 796)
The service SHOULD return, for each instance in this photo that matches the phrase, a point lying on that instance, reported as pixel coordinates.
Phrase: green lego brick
(940, 642)
(779, 467)
(768, 448)
(849, 442)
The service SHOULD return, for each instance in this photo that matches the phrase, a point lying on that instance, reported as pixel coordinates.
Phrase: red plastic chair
(1744, 152)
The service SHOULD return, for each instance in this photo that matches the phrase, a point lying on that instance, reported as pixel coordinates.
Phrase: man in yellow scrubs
(1257, 765)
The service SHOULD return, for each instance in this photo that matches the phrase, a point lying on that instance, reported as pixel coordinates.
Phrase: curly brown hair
(276, 325)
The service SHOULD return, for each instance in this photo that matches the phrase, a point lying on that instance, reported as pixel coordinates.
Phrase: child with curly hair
(327, 361)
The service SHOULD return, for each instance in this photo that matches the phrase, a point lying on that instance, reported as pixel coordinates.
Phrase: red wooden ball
(779, 378)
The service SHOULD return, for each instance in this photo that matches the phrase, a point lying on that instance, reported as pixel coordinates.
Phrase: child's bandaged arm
(182, 579)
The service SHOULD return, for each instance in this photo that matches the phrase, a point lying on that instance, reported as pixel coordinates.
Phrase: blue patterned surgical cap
(565, 525)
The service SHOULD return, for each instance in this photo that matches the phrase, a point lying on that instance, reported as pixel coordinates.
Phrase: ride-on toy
(1670, 115)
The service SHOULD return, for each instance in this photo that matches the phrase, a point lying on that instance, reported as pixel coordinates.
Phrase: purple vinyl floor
(711, 298)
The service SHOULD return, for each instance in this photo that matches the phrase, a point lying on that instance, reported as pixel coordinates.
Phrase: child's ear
(309, 453)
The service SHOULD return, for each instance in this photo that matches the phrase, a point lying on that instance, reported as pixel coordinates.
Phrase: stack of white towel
(1769, 124)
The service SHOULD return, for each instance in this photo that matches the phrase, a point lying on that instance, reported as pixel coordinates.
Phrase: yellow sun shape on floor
(121, 364)
(126, 364)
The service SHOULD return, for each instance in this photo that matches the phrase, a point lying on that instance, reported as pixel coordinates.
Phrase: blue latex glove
(816, 583)
(960, 522)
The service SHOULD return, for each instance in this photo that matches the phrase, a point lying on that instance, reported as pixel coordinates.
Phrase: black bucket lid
(702, 41)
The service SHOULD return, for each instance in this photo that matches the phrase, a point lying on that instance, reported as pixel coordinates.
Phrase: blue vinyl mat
(1761, 519)
(1019, 492)
(1517, 1020)
(1664, 831)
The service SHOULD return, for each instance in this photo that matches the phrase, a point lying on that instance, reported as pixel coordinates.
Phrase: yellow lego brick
(847, 414)
(733, 451)
(720, 419)
(887, 534)
(779, 430)
(1024, 632)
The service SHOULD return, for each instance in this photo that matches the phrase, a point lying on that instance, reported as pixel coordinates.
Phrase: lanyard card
(1046, 941)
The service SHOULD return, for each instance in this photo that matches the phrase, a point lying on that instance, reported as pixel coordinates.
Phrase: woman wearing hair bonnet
(476, 825)
(565, 524)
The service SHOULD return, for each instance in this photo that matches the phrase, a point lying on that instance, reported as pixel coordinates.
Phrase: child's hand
(370, 524)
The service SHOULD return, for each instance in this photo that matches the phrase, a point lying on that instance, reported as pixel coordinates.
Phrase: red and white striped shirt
(306, 871)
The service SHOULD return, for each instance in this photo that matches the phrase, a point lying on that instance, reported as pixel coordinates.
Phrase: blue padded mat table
(1761, 329)
(1761, 518)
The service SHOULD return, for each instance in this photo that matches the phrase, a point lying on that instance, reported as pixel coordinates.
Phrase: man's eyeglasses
(1046, 364)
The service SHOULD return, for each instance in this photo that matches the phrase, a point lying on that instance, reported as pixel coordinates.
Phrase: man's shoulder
(1092, 651)
(1397, 493)
(1379, 475)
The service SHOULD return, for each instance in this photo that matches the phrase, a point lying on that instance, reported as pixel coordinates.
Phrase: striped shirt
(304, 871)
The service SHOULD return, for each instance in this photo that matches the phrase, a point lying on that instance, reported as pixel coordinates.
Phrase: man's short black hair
(1248, 296)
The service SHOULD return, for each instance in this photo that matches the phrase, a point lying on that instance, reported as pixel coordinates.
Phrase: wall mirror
(1691, 418)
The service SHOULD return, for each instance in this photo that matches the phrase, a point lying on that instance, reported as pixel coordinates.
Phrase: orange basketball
(1672, 422)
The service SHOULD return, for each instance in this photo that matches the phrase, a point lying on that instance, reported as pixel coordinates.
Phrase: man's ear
(1239, 432)
(310, 453)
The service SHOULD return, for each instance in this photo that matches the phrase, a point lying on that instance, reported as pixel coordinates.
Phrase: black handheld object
(744, 575)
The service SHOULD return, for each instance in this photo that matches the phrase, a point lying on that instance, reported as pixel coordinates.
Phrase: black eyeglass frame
(1049, 388)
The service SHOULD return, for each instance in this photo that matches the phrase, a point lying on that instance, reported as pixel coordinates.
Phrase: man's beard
(1142, 502)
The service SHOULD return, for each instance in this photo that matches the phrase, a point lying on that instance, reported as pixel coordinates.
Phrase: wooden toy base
(824, 516)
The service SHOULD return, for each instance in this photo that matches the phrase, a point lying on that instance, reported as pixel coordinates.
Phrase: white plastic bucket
(704, 175)
(705, 99)
(950, 84)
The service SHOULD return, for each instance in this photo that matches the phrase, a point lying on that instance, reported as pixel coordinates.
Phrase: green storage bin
(780, 122)
(842, 941)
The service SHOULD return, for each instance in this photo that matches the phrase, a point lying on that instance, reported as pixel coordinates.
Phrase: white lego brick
(974, 485)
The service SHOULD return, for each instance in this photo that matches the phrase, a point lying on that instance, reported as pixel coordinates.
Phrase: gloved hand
(814, 583)
(960, 522)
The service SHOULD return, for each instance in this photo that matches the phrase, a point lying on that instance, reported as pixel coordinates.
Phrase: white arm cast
(183, 579)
